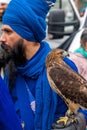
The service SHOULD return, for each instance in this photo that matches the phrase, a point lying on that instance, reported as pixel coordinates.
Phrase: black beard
(16, 54)
(11, 58)
(3, 55)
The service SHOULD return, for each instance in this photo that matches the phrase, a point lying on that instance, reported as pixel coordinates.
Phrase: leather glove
(78, 124)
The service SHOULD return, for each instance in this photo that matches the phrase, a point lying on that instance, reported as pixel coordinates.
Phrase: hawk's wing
(63, 80)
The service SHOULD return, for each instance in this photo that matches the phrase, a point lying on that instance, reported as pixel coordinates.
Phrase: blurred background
(65, 22)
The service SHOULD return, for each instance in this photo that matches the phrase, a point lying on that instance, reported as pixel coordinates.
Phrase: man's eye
(7, 31)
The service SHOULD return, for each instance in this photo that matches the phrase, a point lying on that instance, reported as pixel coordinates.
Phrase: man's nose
(2, 38)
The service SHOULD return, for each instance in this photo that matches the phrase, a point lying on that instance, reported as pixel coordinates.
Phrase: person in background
(78, 3)
(3, 6)
(25, 51)
(82, 12)
(79, 57)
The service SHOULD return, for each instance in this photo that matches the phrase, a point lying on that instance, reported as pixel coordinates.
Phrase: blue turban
(27, 18)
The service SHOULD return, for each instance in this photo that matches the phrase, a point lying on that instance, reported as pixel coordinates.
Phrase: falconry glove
(78, 124)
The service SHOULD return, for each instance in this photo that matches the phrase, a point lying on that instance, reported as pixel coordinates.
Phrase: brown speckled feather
(63, 80)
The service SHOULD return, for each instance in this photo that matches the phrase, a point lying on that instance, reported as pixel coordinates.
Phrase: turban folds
(27, 18)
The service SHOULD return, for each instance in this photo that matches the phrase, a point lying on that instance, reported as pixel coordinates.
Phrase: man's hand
(3, 7)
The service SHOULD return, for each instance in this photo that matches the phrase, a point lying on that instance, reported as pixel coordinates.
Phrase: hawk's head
(56, 55)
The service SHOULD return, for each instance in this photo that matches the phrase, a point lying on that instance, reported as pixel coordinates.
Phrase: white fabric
(5, 1)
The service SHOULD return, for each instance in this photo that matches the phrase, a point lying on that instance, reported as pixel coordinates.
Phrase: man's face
(9, 37)
(13, 46)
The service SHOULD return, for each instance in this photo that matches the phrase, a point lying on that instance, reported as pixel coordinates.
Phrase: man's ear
(81, 42)
(85, 46)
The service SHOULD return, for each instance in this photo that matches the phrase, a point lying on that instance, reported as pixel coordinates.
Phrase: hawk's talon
(63, 120)
(67, 120)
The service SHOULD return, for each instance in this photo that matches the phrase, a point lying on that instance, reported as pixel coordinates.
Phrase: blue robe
(8, 117)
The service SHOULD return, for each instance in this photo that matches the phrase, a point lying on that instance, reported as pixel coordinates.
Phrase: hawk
(65, 81)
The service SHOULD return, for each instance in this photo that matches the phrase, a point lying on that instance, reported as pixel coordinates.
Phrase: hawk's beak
(65, 53)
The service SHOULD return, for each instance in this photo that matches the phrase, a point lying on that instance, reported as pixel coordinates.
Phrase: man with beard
(3, 6)
(24, 52)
